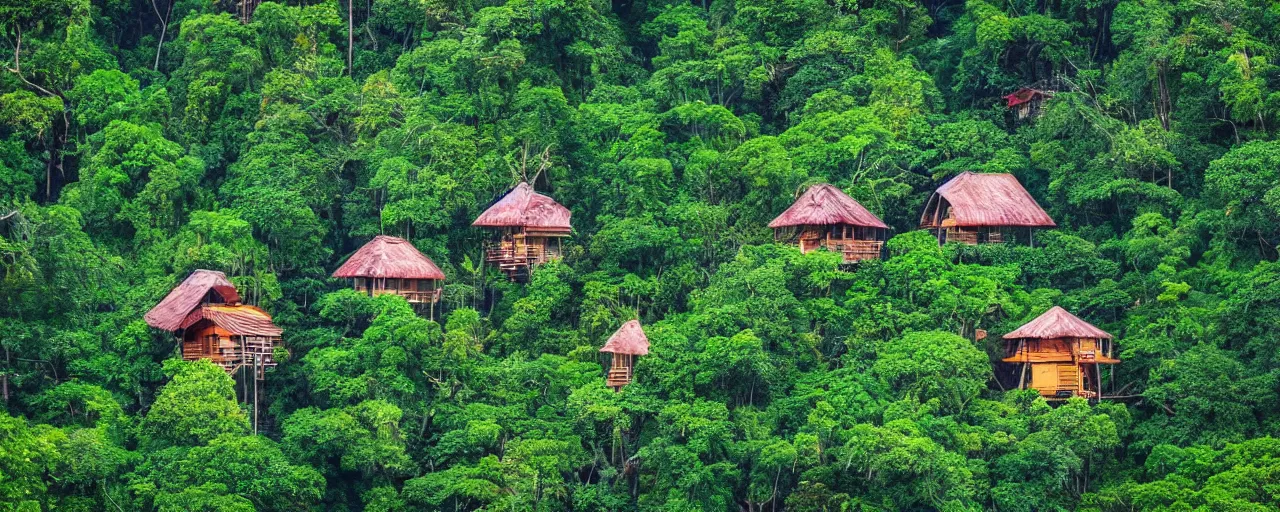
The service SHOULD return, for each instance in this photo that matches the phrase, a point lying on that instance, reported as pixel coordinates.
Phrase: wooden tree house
(391, 265)
(1060, 355)
(1026, 103)
(231, 336)
(975, 208)
(628, 342)
(205, 313)
(825, 217)
(531, 227)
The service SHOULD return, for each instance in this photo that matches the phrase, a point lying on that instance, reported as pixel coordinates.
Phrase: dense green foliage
(143, 139)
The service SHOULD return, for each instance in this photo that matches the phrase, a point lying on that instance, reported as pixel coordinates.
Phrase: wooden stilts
(5, 375)
(1097, 370)
(257, 360)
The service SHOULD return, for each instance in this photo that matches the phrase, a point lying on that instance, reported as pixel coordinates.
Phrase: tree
(136, 176)
(933, 366)
(28, 453)
(197, 405)
(231, 471)
(1242, 185)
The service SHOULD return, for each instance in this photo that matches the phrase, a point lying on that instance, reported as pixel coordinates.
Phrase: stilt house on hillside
(205, 313)
(1060, 355)
(391, 265)
(977, 208)
(628, 342)
(531, 225)
(1025, 103)
(825, 217)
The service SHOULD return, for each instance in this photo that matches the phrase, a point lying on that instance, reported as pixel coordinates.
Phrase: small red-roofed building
(230, 336)
(392, 265)
(1026, 102)
(974, 208)
(626, 343)
(1060, 355)
(205, 313)
(531, 227)
(826, 217)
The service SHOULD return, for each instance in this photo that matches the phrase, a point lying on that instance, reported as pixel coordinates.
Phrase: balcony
(852, 250)
(413, 297)
(508, 255)
(859, 250)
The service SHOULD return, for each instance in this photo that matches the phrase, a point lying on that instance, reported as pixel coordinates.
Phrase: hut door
(1050, 378)
(519, 245)
(810, 238)
(537, 248)
(1044, 377)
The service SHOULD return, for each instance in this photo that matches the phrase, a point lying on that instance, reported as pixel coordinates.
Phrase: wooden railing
(859, 250)
(412, 296)
(231, 354)
(508, 254)
(852, 250)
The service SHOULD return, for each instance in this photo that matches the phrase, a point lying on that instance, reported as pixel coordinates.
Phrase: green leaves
(1243, 185)
(137, 176)
(934, 365)
(231, 472)
(25, 454)
(674, 132)
(363, 439)
(197, 405)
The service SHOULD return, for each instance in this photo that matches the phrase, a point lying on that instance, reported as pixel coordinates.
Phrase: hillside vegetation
(141, 140)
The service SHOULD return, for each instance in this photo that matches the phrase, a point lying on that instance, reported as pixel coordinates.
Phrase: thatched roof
(1057, 323)
(180, 301)
(389, 257)
(238, 320)
(524, 208)
(824, 205)
(990, 200)
(629, 339)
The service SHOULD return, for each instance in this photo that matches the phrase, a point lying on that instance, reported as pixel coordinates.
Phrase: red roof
(522, 207)
(824, 205)
(168, 314)
(1057, 323)
(238, 320)
(389, 256)
(629, 339)
(1024, 95)
(991, 200)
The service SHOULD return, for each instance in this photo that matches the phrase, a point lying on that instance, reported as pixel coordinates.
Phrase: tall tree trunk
(164, 29)
(350, 34)
(1163, 105)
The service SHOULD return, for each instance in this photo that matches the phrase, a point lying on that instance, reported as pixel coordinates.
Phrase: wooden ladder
(618, 377)
(1069, 377)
